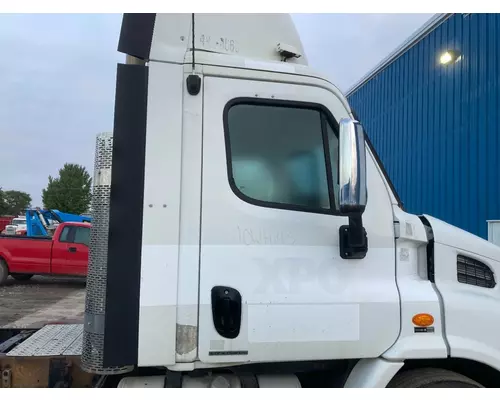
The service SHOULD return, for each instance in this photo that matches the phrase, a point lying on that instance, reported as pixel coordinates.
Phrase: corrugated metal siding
(436, 128)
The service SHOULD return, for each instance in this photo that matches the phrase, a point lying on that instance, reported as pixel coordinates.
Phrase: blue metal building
(432, 112)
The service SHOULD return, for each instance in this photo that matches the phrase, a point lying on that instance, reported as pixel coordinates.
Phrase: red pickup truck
(65, 253)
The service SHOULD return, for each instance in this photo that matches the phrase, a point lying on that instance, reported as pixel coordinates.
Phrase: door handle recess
(72, 249)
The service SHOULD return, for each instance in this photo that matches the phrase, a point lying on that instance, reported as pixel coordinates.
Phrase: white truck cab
(242, 225)
(16, 226)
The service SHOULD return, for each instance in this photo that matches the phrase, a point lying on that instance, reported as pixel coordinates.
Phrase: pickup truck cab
(65, 253)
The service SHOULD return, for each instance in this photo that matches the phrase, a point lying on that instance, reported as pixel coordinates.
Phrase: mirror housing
(352, 167)
(353, 239)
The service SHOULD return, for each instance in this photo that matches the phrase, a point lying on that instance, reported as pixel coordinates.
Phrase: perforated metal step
(52, 340)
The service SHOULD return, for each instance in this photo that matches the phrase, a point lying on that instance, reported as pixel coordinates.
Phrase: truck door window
(254, 178)
(82, 235)
(65, 235)
(277, 155)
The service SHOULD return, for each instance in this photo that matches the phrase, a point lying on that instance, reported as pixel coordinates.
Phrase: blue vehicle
(43, 222)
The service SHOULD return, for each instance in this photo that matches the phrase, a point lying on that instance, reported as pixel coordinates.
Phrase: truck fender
(373, 373)
(5, 255)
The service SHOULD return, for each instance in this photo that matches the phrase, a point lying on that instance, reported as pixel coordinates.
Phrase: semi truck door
(273, 286)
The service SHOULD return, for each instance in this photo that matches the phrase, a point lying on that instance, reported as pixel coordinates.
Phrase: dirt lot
(41, 300)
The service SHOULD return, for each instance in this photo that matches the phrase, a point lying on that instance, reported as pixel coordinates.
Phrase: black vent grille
(473, 272)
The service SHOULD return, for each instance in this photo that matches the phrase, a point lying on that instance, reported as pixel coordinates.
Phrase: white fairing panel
(472, 313)
(418, 294)
(160, 249)
(301, 300)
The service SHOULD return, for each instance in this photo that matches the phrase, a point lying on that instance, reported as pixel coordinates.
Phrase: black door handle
(72, 249)
(226, 311)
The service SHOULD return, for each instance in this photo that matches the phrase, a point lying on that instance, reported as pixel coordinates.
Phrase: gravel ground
(41, 300)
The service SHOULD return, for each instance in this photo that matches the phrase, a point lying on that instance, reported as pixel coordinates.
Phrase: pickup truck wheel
(4, 271)
(432, 378)
(22, 277)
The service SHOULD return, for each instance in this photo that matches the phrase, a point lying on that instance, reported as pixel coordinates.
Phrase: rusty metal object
(33, 372)
(6, 378)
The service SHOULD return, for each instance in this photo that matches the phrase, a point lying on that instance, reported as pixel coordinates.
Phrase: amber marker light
(423, 320)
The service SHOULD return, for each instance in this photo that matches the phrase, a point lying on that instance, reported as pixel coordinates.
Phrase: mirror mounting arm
(353, 240)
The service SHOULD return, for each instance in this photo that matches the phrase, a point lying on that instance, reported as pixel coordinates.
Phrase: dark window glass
(82, 235)
(65, 234)
(278, 155)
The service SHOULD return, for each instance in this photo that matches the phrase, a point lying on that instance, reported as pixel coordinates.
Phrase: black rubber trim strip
(429, 249)
(136, 35)
(328, 160)
(121, 324)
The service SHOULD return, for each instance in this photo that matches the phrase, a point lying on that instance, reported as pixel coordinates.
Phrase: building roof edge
(418, 35)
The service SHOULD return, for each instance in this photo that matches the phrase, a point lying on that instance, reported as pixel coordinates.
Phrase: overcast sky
(57, 80)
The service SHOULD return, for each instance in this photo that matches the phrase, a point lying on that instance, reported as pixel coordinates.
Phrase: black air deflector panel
(474, 272)
(136, 35)
(121, 328)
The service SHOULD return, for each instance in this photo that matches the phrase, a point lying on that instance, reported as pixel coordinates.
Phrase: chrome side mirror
(352, 167)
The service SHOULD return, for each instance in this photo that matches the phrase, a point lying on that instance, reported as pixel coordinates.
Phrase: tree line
(69, 192)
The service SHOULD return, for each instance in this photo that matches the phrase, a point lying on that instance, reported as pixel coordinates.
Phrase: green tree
(70, 192)
(3, 206)
(16, 201)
